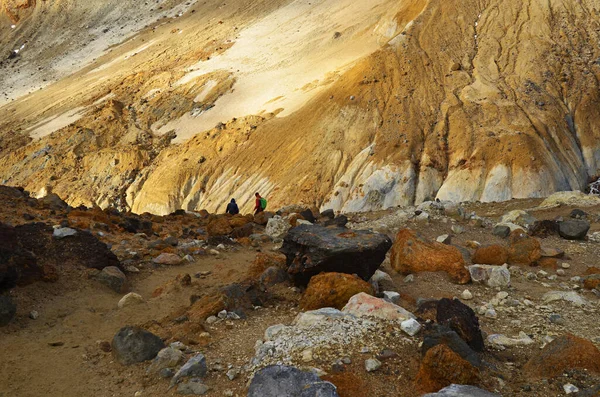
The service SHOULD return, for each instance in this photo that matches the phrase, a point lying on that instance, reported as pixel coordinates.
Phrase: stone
(113, 278)
(591, 282)
(167, 259)
(570, 388)
(571, 199)
(457, 229)
(34, 315)
(565, 353)
(277, 227)
(461, 319)
(491, 255)
(518, 217)
(232, 373)
(166, 373)
(219, 226)
(577, 214)
(444, 239)
(490, 313)
(552, 252)
(168, 357)
(339, 221)
(262, 218)
(364, 305)
(391, 296)
(326, 314)
(503, 340)
(411, 254)
(195, 367)
(462, 391)
(466, 295)
(134, 344)
(194, 387)
(372, 364)
(273, 276)
(410, 326)
(573, 229)
(492, 276)
(568, 296)
(273, 330)
(501, 231)
(8, 309)
(311, 250)
(556, 319)
(332, 290)
(442, 367)
(130, 299)
(280, 380)
(62, 232)
(441, 334)
(409, 279)
(523, 250)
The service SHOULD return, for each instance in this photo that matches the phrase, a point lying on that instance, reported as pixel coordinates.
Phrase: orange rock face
(411, 254)
(491, 255)
(523, 250)
(548, 263)
(332, 290)
(264, 261)
(240, 220)
(564, 353)
(442, 367)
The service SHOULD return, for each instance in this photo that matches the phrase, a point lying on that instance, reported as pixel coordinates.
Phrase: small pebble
(466, 295)
(372, 364)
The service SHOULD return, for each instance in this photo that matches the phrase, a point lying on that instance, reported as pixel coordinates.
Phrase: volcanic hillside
(351, 105)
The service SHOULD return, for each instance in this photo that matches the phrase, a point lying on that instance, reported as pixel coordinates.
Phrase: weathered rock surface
(523, 250)
(490, 255)
(314, 249)
(461, 319)
(411, 254)
(114, 279)
(442, 367)
(573, 229)
(492, 276)
(168, 259)
(562, 354)
(130, 299)
(279, 380)
(442, 335)
(134, 344)
(277, 227)
(364, 305)
(195, 367)
(332, 290)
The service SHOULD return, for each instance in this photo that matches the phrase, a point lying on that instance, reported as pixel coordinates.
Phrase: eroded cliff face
(454, 99)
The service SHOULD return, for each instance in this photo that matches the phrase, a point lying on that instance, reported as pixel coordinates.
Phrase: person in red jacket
(258, 207)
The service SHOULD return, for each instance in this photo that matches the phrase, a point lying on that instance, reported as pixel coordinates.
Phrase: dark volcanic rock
(339, 221)
(441, 334)
(308, 215)
(461, 319)
(279, 380)
(113, 278)
(17, 265)
(134, 344)
(574, 229)
(310, 250)
(544, 228)
(7, 310)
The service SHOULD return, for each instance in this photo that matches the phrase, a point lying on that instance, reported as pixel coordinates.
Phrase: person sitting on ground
(261, 204)
(232, 208)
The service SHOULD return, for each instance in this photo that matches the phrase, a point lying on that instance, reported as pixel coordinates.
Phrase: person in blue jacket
(232, 208)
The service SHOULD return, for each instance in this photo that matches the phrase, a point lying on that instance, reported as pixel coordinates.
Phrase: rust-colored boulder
(442, 367)
(548, 263)
(219, 226)
(411, 254)
(491, 255)
(240, 220)
(592, 282)
(263, 261)
(523, 249)
(563, 354)
(262, 218)
(206, 306)
(332, 290)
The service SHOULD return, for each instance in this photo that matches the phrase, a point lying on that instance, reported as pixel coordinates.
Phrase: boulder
(578, 214)
(501, 231)
(280, 380)
(411, 254)
(193, 387)
(462, 391)
(195, 367)
(490, 255)
(129, 300)
(114, 279)
(219, 226)
(134, 345)
(461, 319)
(492, 276)
(544, 228)
(573, 229)
(311, 250)
(243, 231)
(168, 259)
(262, 218)
(240, 220)
(277, 227)
(442, 367)
(53, 202)
(592, 281)
(364, 305)
(518, 217)
(563, 354)
(339, 221)
(308, 215)
(442, 335)
(523, 250)
(273, 276)
(8, 309)
(332, 290)
(571, 199)
(568, 296)
(168, 357)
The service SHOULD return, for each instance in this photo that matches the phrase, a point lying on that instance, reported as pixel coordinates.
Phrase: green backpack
(263, 203)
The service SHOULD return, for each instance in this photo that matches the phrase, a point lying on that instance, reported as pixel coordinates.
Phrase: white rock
(466, 295)
(503, 340)
(565, 265)
(130, 299)
(409, 279)
(277, 227)
(222, 314)
(457, 229)
(569, 296)
(303, 222)
(307, 355)
(221, 247)
(212, 320)
(492, 276)
(491, 313)
(569, 388)
(502, 295)
(372, 364)
(272, 332)
(380, 276)
(410, 326)
(391, 296)
(166, 358)
(62, 232)
(444, 239)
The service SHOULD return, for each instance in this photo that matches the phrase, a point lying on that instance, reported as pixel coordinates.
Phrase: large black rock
(280, 380)
(461, 319)
(134, 344)
(311, 250)
(443, 335)
(574, 229)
